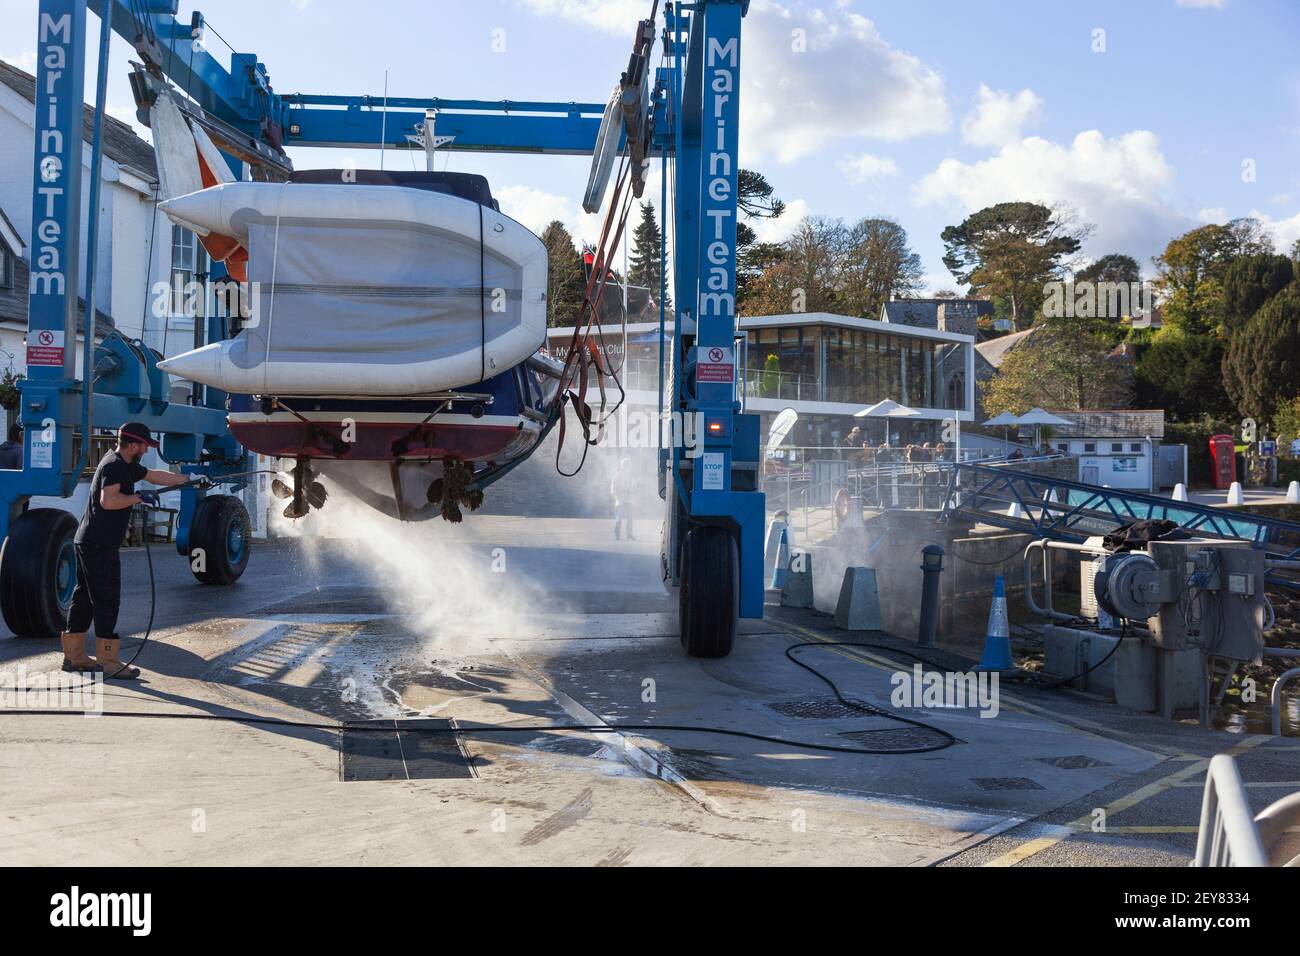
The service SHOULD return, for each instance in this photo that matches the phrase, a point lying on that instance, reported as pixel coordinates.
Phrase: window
(1135, 446)
(1089, 447)
(6, 270)
(1117, 447)
(189, 264)
(1063, 447)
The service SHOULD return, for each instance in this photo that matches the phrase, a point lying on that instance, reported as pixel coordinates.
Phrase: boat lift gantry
(690, 106)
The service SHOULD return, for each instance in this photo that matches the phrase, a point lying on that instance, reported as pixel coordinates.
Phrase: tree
(644, 263)
(1062, 364)
(877, 266)
(803, 277)
(1191, 270)
(1261, 370)
(1179, 372)
(755, 199)
(1011, 249)
(827, 266)
(566, 284)
(1249, 282)
(1115, 267)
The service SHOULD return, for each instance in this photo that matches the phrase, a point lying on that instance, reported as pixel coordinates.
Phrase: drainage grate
(894, 738)
(819, 708)
(1006, 783)
(401, 750)
(1075, 762)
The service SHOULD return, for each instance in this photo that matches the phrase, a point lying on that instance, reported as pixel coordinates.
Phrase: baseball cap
(136, 432)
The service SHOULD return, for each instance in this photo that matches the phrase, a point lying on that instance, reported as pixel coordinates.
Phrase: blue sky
(923, 110)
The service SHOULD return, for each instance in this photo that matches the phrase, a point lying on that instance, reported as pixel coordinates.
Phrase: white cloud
(1213, 214)
(808, 76)
(999, 118)
(1218, 4)
(1120, 184)
(25, 60)
(1285, 231)
(536, 209)
(781, 228)
(858, 169)
(812, 76)
(608, 16)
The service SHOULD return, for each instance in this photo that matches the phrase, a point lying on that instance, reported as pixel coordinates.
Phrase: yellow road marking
(1126, 802)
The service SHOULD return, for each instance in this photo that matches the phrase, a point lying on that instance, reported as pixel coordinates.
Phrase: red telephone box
(1224, 453)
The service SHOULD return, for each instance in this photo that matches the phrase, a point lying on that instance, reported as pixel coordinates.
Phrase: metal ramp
(1066, 510)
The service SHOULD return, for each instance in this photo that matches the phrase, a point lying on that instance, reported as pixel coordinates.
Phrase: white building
(1116, 448)
(827, 367)
(137, 245)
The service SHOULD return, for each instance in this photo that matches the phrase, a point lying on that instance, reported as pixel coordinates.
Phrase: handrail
(1228, 835)
(1275, 698)
(1079, 501)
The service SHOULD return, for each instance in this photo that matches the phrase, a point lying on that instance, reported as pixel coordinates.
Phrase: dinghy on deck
(393, 345)
(375, 290)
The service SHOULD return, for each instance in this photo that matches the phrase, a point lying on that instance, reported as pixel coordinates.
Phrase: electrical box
(1232, 625)
(1188, 570)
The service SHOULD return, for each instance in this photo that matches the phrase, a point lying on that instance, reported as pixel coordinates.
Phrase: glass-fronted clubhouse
(826, 367)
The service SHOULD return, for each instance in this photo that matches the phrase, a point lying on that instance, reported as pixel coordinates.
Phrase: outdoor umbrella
(887, 408)
(1038, 418)
(1003, 421)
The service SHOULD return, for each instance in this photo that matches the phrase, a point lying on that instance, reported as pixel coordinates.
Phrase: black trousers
(98, 593)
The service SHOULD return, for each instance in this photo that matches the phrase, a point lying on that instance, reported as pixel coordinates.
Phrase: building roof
(1112, 423)
(121, 145)
(746, 322)
(13, 304)
(995, 351)
(924, 313)
(10, 236)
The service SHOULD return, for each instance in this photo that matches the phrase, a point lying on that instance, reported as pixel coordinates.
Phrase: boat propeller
(453, 489)
(304, 494)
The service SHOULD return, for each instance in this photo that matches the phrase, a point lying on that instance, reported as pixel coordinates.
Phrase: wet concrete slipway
(315, 633)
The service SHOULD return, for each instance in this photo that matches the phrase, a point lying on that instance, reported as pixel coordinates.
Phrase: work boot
(75, 658)
(107, 649)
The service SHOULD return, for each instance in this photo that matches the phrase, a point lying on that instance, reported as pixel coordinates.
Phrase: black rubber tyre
(710, 591)
(222, 529)
(38, 572)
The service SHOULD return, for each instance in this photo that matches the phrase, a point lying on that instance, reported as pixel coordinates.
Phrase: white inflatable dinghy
(368, 290)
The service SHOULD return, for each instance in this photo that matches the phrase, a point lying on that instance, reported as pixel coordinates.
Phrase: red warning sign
(45, 347)
(715, 365)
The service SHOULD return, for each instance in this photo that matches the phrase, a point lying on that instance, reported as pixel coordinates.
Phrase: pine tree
(566, 286)
(643, 267)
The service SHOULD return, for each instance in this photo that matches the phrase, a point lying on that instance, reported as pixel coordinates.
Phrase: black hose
(947, 741)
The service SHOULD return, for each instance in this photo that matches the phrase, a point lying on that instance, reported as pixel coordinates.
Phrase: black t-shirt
(101, 528)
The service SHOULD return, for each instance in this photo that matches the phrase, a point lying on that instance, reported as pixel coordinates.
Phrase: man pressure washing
(99, 536)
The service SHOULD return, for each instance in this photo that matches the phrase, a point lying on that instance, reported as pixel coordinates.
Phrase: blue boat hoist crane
(684, 112)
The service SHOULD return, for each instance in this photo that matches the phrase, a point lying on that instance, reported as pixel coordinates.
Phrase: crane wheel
(710, 591)
(38, 572)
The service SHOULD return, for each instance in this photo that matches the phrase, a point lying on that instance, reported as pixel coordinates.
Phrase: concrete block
(798, 590)
(859, 604)
(772, 556)
(1293, 493)
(1235, 496)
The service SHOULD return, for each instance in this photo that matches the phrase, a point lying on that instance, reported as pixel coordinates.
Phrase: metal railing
(878, 486)
(1229, 834)
(1275, 699)
(1070, 510)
